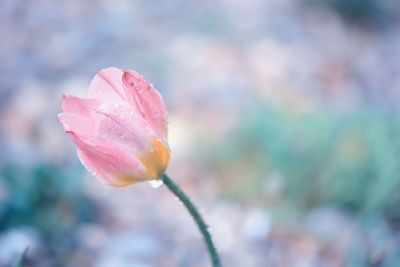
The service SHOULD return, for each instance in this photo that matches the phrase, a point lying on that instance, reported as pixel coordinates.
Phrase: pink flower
(120, 129)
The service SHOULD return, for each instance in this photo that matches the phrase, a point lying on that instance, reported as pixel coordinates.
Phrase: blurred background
(284, 126)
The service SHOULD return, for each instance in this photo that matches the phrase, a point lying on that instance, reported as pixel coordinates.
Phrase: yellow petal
(156, 160)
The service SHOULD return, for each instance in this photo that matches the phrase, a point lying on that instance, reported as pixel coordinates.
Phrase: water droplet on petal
(156, 183)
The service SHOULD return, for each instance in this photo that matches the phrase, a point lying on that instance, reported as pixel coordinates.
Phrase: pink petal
(146, 99)
(78, 123)
(107, 85)
(119, 123)
(77, 105)
(107, 160)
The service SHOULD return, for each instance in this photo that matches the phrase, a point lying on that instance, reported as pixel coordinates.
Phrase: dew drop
(156, 183)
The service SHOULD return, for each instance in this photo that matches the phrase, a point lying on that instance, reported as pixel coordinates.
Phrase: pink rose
(120, 129)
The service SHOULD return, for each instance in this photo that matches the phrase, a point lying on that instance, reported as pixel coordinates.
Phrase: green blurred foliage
(319, 157)
(48, 197)
(362, 12)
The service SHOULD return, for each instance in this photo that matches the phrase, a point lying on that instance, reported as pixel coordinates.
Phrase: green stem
(21, 258)
(216, 262)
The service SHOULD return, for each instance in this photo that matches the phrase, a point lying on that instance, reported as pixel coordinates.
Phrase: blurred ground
(284, 128)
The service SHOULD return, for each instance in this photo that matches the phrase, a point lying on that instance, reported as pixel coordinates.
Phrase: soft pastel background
(284, 128)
